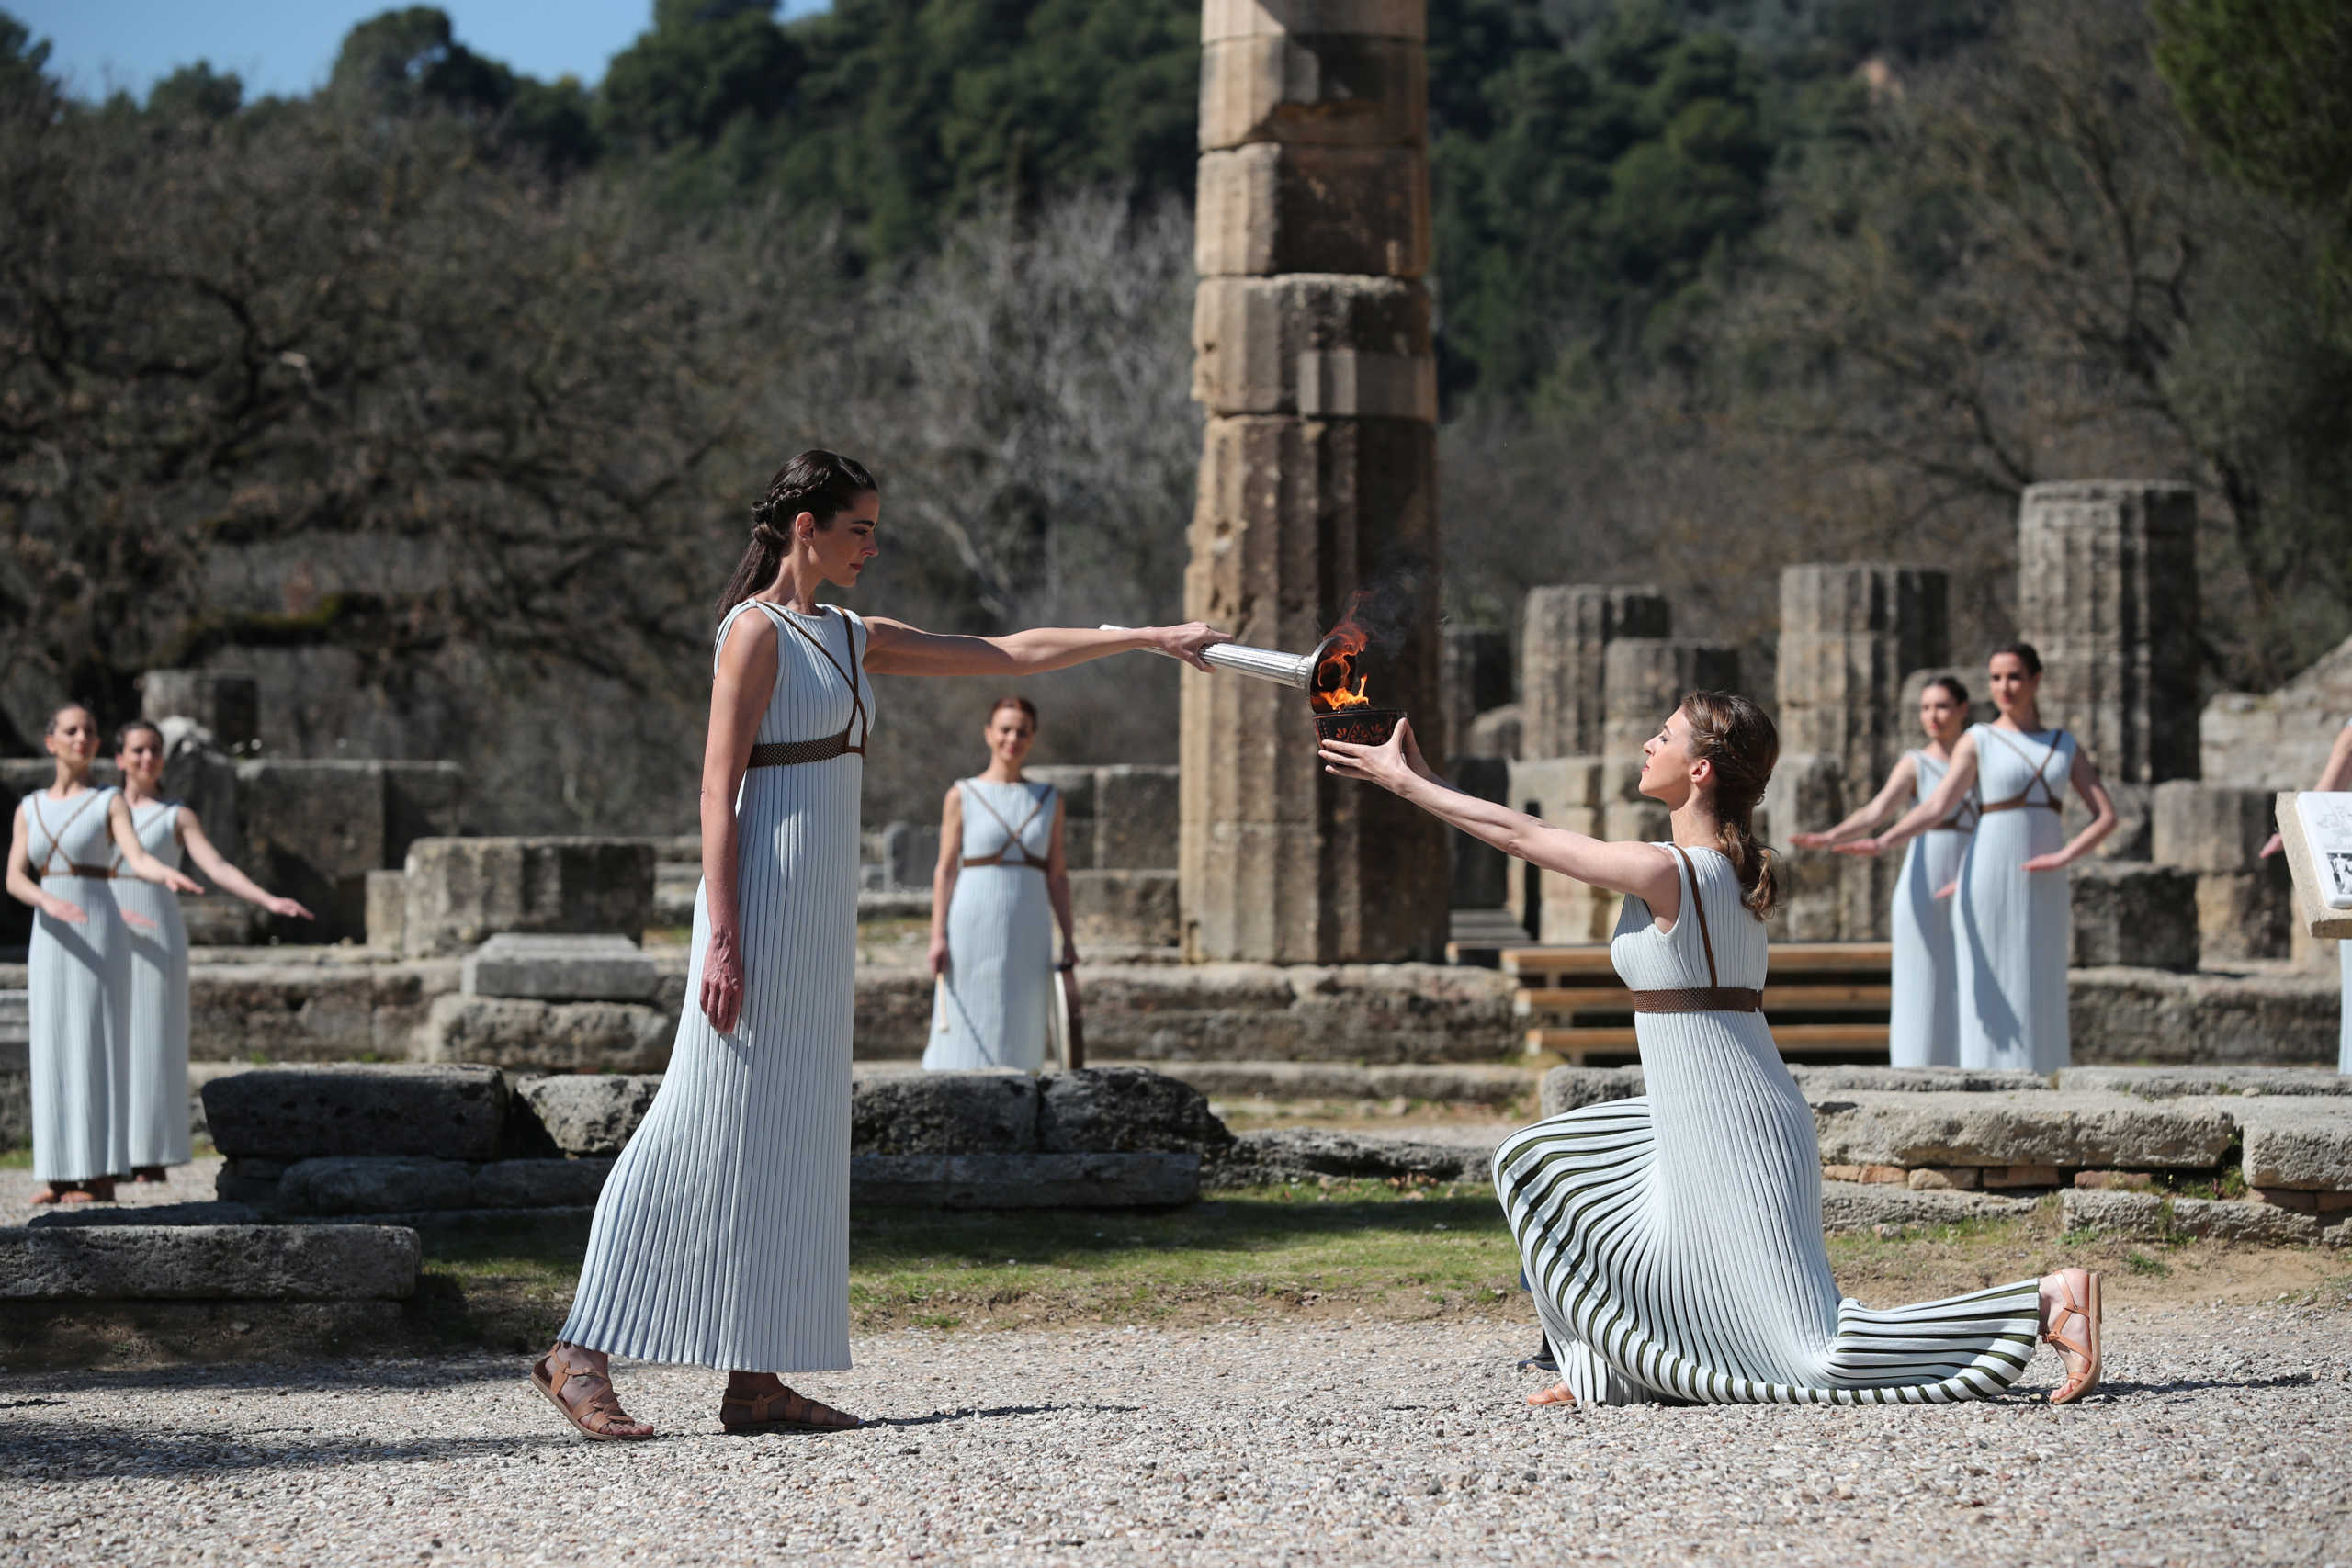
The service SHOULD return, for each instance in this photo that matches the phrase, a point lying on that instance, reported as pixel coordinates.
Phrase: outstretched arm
(24, 887)
(227, 877)
(1958, 780)
(2333, 777)
(1898, 784)
(144, 867)
(738, 696)
(894, 647)
(1643, 870)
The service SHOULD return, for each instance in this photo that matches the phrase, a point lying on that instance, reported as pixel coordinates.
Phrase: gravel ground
(190, 1183)
(2220, 1438)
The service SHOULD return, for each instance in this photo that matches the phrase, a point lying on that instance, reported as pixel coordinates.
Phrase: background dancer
(2009, 918)
(155, 948)
(1674, 1240)
(61, 861)
(721, 1238)
(1000, 886)
(1924, 1020)
(2334, 774)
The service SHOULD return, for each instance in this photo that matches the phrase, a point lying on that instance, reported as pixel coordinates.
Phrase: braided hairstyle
(1733, 733)
(824, 484)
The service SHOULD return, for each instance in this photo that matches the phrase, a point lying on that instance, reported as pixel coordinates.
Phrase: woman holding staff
(2010, 920)
(156, 952)
(1000, 886)
(61, 861)
(1674, 1241)
(721, 1238)
(1924, 1020)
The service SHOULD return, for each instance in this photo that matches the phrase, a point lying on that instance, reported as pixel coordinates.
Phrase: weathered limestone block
(1153, 1179)
(1304, 1153)
(2302, 1142)
(200, 771)
(1849, 633)
(945, 1113)
(1279, 861)
(312, 831)
(1322, 346)
(2108, 591)
(581, 1037)
(2147, 1216)
(422, 800)
(540, 1183)
(1570, 793)
(1571, 1089)
(1823, 1081)
(388, 910)
(361, 1184)
(1122, 1110)
(2203, 827)
(1137, 807)
(1385, 1013)
(1131, 909)
(1565, 633)
(2069, 1132)
(1453, 1083)
(2174, 1083)
(1644, 678)
(2153, 1016)
(2279, 739)
(910, 855)
(561, 968)
(590, 1113)
(893, 1020)
(226, 704)
(292, 1113)
(1849, 1206)
(1269, 209)
(462, 891)
(2127, 913)
(1474, 676)
(319, 1263)
(1806, 794)
(311, 1011)
(2245, 914)
(1248, 18)
(1500, 732)
(1349, 90)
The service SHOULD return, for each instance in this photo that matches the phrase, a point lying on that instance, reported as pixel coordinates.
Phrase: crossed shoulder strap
(784, 753)
(1011, 833)
(52, 861)
(2049, 798)
(1714, 996)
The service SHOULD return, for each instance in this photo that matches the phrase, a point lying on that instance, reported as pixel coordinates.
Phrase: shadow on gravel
(1000, 1412)
(76, 1452)
(276, 1377)
(2193, 1385)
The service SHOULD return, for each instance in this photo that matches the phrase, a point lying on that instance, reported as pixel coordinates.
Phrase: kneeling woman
(1674, 1241)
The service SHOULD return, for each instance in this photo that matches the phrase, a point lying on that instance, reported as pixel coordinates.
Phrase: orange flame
(1339, 685)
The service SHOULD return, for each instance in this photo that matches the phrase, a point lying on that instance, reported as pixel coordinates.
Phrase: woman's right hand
(1187, 641)
(2271, 846)
(1811, 841)
(1858, 847)
(722, 982)
(57, 909)
(938, 952)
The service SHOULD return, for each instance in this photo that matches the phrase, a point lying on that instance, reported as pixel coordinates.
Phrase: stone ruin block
(1565, 633)
(388, 909)
(1849, 633)
(1269, 209)
(2126, 913)
(226, 704)
(561, 968)
(2201, 827)
(1126, 908)
(531, 1036)
(1482, 874)
(1318, 345)
(289, 1114)
(2245, 914)
(1570, 793)
(1317, 90)
(463, 891)
(910, 856)
(1806, 794)
(1498, 732)
(208, 1262)
(313, 832)
(1644, 678)
(1473, 673)
(2108, 591)
(1136, 807)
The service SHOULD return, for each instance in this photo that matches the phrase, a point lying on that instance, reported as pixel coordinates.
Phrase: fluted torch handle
(1294, 670)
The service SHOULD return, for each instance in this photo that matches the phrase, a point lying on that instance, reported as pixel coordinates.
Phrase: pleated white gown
(993, 1006)
(721, 1238)
(157, 1016)
(1924, 1019)
(79, 978)
(1673, 1241)
(2009, 925)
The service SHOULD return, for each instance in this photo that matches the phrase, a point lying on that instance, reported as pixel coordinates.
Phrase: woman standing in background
(1000, 886)
(156, 950)
(2334, 775)
(1924, 1020)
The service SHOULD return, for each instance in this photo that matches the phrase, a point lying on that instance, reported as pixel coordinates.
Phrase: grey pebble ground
(2224, 1436)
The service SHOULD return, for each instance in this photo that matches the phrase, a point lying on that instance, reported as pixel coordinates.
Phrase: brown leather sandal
(2081, 1301)
(1558, 1393)
(597, 1414)
(783, 1411)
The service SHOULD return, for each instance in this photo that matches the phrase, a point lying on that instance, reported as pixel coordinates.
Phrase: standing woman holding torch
(721, 1238)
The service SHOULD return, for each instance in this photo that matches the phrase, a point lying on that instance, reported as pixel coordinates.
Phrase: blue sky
(286, 46)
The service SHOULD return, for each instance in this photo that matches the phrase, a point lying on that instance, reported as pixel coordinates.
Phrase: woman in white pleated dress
(62, 861)
(2010, 915)
(1000, 886)
(156, 951)
(1924, 1020)
(1673, 1241)
(721, 1238)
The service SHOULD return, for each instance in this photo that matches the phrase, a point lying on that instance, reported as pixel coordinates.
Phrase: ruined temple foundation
(1314, 360)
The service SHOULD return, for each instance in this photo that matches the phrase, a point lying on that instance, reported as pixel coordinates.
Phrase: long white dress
(721, 1238)
(157, 1016)
(993, 1006)
(2008, 924)
(79, 978)
(1924, 1019)
(1673, 1241)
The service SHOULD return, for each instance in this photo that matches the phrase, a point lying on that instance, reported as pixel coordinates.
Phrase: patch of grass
(2138, 1262)
(16, 1159)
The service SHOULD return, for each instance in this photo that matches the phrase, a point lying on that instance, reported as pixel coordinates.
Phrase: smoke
(1383, 608)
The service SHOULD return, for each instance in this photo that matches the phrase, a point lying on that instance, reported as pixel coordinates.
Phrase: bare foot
(1558, 1393)
(2070, 1325)
(577, 1379)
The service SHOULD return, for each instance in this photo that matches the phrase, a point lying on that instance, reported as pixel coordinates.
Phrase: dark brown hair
(2025, 653)
(62, 709)
(1734, 735)
(824, 484)
(1950, 683)
(1009, 701)
(122, 737)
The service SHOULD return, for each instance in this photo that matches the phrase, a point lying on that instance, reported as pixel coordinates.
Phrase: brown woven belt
(999, 859)
(1699, 999)
(784, 753)
(1987, 809)
(97, 873)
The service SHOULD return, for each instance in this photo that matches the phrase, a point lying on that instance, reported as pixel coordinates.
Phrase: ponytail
(1734, 735)
(824, 484)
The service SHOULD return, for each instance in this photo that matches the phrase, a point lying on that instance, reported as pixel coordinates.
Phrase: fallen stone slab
(1121, 1109)
(1815, 1081)
(2068, 1131)
(562, 968)
(348, 1185)
(2176, 1083)
(2130, 1015)
(293, 1113)
(214, 1214)
(2292, 1142)
(944, 1113)
(1307, 1154)
(540, 1183)
(589, 1113)
(1572, 1088)
(1151, 1180)
(292, 1009)
(208, 1263)
(2149, 1216)
(551, 1037)
(1853, 1206)
(1459, 1083)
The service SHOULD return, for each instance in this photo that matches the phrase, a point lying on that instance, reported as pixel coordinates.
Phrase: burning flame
(1339, 685)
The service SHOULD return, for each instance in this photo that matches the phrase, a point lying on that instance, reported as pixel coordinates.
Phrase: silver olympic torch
(1292, 670)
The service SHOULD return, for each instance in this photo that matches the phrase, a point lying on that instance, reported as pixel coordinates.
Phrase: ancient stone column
(1644, 678)
(226, 705)
(1564, 635)
(1474, 671)
(1313, 358)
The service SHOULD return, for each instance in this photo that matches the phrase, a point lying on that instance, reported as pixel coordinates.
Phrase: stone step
(1449, 1083)
(562, 968)
(2147, 1216)
(2173, 1083)
(295, 1113)
(2062, 1130)
(133, 1262)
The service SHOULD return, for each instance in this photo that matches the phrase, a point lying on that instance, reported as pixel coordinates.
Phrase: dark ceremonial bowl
(1358, 726)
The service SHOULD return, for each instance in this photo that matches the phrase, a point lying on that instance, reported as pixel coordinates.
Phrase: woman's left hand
(288, 908)
(2056, 859)
(1185, 642)
(1389, 764)
(1858, 847)
(180, 881)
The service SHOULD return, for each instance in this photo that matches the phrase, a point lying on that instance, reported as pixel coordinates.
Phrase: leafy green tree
(197, 92)
(2268, 84)
(699, 70)
(409, 60)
